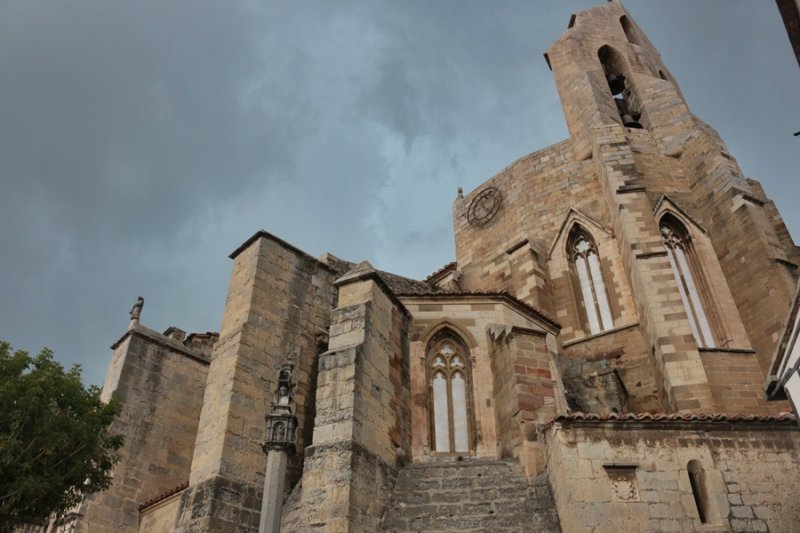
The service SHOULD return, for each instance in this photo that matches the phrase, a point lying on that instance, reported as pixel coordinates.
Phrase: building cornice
(503, 296)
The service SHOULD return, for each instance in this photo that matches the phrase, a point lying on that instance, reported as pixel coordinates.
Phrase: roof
(402, 284)
(446, 268)
(783, 418)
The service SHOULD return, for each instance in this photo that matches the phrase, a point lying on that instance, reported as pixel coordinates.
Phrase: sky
(142, 142)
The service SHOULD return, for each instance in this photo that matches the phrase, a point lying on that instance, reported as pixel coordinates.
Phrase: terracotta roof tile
(445, 268)
(784, 418)
(400, 284)
(164, 495)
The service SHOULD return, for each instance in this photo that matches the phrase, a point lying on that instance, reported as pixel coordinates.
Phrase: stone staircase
(471, 495)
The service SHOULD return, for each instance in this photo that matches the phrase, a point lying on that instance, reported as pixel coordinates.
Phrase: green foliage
(55, 443)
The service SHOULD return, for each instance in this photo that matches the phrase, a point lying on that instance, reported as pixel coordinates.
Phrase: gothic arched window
(586, 265)
(448, 368)
(687, 274)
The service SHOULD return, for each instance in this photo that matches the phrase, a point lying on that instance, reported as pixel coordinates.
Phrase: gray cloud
(141, 142)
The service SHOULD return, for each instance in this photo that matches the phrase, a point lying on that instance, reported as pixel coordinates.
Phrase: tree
(56, 445)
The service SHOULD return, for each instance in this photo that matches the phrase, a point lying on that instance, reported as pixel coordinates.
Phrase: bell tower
(607, 71)
(686, 251)
(656, 163)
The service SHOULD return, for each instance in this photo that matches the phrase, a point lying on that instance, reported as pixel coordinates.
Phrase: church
(593, 360)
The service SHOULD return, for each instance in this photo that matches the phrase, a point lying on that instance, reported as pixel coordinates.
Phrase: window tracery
(586, 264)
(679, 251)
(448, 368)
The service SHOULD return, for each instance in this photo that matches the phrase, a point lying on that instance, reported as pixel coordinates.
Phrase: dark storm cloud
(140, 142)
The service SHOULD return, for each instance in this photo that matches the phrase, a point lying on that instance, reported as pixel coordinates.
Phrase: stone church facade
(593, 360)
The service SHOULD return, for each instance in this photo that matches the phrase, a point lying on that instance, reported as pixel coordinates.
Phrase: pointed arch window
(448, 368)
(586, 265)
(688, 275)
(614, 67)
(627, 27)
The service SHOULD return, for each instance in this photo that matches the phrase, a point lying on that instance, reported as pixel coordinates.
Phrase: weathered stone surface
(742, 464)
(469, 495)
(160, 381)
(278, 305)
(593, 386)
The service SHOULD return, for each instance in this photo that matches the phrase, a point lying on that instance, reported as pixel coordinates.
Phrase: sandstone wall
(629, 476)
(525, 394)
(538, 192)
(160, 382)
(756, 260)
(278, 306)
(160, 517)
(362, 425)
(737, 382)
(625, 349)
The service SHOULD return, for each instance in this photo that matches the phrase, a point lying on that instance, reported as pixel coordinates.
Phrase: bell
(630, 122)
(616, 82)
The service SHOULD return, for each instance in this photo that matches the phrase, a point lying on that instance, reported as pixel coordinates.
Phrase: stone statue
(283, 393)
(278, 432)
(283, 396)
(136, 310)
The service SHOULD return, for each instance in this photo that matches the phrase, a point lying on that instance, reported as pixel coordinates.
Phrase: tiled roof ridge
(503, 294)
(164, 495)
(442, 270)
(398, 283)
(674, 417)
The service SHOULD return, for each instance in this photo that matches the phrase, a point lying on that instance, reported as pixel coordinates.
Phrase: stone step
(473, 495)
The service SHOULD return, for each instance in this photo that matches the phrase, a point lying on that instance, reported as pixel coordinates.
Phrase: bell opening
(616, 83)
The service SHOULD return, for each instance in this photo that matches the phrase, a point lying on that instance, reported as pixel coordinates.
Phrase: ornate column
(281, 425)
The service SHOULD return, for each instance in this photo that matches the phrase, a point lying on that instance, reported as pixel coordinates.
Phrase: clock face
(484, 207)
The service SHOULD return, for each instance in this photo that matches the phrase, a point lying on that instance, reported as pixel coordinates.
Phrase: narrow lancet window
(627, 27)
(679, 251)
(448, 366)
(583, 255)
(698, 483)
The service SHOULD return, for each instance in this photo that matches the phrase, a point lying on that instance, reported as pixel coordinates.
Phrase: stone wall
(524, 394)
(754, 258)
(662, 317)
(548, 183)
(362, 426)
(475, 495)
(626, 351)
(278, 306)
(737, 382)
(160, 517)
(610, 476)
(160, 383)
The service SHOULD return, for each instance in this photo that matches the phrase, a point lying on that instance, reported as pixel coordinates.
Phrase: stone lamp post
(281, 426)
